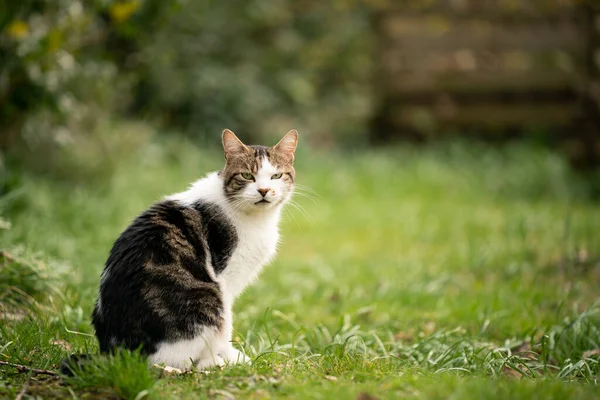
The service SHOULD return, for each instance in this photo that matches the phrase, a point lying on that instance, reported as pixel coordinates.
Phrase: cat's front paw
(207, 363)
(233, 356)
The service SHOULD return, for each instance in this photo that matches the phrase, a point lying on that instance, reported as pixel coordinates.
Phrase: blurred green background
(193, 67)
(345, 73)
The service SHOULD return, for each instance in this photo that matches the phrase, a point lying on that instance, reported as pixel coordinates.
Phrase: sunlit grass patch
(568, 350)
(123, 374)
(25, 280)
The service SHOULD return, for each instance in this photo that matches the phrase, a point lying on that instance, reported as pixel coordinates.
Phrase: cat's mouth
(263, 201)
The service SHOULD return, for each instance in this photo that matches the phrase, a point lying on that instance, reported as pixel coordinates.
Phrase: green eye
(247, 176)
(276, 176)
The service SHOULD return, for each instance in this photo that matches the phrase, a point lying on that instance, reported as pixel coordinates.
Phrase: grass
(456, 271)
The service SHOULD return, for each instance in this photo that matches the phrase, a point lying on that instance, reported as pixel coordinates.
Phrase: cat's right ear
(231, 144)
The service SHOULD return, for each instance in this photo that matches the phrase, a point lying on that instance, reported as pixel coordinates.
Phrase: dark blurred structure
(490, 68)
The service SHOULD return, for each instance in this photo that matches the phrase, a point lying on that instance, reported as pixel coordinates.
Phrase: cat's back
(170, 232)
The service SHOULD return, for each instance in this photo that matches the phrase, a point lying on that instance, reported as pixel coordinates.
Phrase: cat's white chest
(257, 244)
(257, 236)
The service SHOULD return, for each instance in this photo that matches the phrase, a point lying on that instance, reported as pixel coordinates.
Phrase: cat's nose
(263, 192)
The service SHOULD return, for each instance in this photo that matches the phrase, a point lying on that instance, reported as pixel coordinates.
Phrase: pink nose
(263, 192)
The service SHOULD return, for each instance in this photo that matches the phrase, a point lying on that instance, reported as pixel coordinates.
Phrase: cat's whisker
(304, 213)
(301, 186)
(307, 196)
(307, 189)
(237, 203)
(307, 192)
(298, 206)
(301, 210)
(291, 215)
(288, 212)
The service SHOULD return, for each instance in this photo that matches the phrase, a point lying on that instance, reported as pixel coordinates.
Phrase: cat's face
(258, 177)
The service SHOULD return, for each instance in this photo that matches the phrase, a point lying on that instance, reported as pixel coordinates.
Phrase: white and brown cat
(172, 276)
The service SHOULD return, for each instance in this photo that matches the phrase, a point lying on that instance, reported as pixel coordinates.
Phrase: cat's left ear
(287, 145)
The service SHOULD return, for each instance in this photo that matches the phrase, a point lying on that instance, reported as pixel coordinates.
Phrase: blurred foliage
(260, 67)
(24, 279)
(61, 68)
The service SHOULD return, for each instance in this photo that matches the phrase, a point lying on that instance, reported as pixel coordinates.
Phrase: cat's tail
(74, 363)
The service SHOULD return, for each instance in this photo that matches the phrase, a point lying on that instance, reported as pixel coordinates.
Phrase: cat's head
(258, 177)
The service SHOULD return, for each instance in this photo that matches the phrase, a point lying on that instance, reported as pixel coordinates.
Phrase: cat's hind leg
(174, 355)
(185, 353)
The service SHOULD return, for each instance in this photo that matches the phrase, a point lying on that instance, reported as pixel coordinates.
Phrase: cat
(172, 276)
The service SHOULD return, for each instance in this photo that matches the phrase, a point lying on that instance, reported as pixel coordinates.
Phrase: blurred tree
(60, 62)
(260, 66)
(256, 66)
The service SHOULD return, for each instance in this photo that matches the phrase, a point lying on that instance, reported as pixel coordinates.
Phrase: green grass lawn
(456, 271)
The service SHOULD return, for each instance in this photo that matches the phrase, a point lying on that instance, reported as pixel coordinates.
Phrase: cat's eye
(276, 176)
(248, 176)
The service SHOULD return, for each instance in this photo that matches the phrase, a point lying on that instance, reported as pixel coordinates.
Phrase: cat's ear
(287, 145)
(231, 144)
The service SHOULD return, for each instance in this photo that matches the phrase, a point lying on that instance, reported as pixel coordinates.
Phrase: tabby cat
(172, 276)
